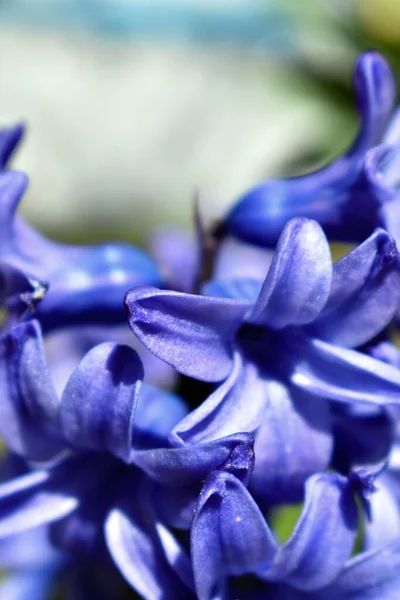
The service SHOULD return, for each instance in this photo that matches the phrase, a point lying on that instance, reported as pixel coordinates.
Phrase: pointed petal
(229, 534)
(375, 86)
(326, 195)
(372, 575)
(365, 293)
(136, 550)
(29, 404)
(238, 404)
(45, 496)
(194, 334)
(12, 186)
(9, 141)
(293, 442)
(323, 538)
(188, 464)
(99, 400)
(344, 375)
(298, 281)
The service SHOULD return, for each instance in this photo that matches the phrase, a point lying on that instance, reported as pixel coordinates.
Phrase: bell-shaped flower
(230, 536)
(81, 443)
(63, 284)
(284, 346)
(354, 194)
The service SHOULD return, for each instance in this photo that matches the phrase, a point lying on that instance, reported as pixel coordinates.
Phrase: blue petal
(140, 555)
(365, 293)
(238, 404)
(235, 289)
(372, 575)
(298, 281)
(229, 534)
(12, 186)
(90, 283)
(188, 464)
(45, 496)
(87, 283)
(194, 334)
(326, 195)
(9, 140)
(384, 525)
(344, 375)
(323, 538)
(293, 442)
(98, 403)
(30, 550)
(157, 413)
(29, 404)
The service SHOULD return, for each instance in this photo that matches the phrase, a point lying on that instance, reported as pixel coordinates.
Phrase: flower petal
(365, 293)
(44, 496)
(99, 400)
(136, 550)
(345, 375)
(188, 464)
(323, 538)
(229, 534)
(235, 289)
(28, 404)
(9, 140)
(12, 186)
(194, 334)
(326, 195)
(238, 404)
(384, 526)
(298, 282)
(89, 283)
(30, 550)
(293, 442)
(372, 575)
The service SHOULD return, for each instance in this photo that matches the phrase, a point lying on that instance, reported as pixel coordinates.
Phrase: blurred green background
(133, 105)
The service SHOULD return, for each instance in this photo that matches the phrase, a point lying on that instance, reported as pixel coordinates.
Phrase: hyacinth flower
(230, 536)
(281, 346)
(94, 450)
(354, 194)
(62, 284)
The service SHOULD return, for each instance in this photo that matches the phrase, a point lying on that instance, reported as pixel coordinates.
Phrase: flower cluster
(158, 414)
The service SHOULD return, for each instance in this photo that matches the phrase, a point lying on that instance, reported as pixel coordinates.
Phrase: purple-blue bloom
(284, 346)
(60, 284)
(354, 194)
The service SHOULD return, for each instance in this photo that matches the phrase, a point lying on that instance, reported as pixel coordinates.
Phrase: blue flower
(349, 197)
(63, 285)
(230, 538)
(99, 451)
(284, 345)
